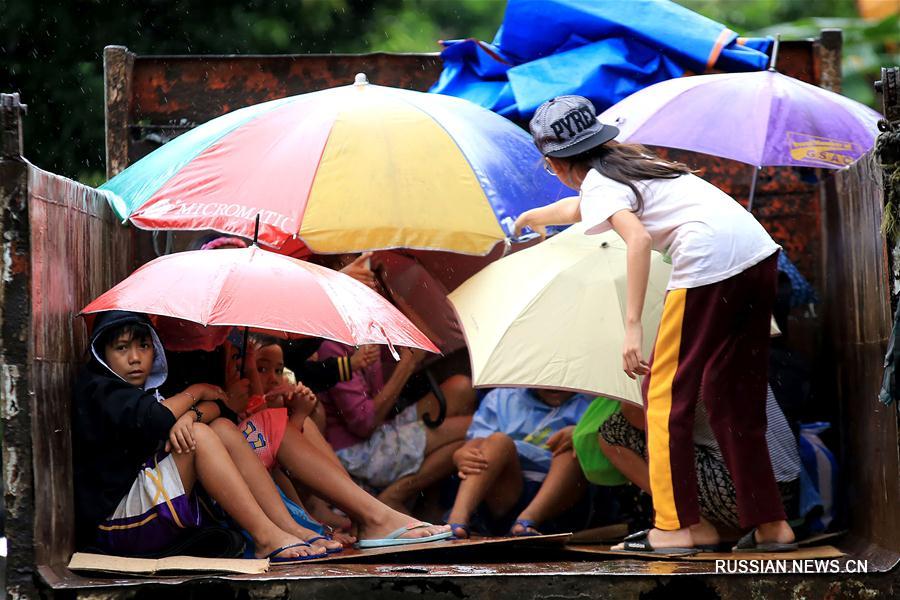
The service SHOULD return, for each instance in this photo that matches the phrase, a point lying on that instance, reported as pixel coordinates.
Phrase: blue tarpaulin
(602, 49)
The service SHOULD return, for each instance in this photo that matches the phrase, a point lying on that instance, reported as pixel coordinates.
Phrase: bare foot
(460, 530)
(344, 538)
(263, 550)
(321, 544)
(678, 538)
(519, 529)
(459, 519)
(319, 510)
(776, 531)
(703, 533)
(379, 526)
(395, 503)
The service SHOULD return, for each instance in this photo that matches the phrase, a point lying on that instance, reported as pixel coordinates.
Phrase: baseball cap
(568, 125)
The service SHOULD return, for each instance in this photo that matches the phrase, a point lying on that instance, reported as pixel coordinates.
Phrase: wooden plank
(117, 65)
(857, 324)
(77, 252)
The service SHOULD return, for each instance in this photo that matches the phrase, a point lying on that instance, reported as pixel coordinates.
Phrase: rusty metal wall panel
(78, 251)
(857, 320)
(164, 96)
(15, 352)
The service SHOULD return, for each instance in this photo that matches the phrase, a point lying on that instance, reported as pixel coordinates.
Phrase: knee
(221, 427)
(501, 441)
(202, 433)
(460, 387)
(459, 384)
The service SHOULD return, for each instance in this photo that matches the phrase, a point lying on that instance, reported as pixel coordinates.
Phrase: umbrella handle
(244, 353)
(442, 402)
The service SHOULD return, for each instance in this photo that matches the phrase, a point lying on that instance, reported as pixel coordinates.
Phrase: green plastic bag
(594, 463)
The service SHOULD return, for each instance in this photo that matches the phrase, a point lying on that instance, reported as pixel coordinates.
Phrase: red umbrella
(250, 287)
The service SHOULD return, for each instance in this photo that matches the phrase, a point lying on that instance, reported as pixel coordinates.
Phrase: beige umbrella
(553, 315)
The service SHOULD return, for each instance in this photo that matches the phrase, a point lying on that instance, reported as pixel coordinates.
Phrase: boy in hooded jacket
(137, 455)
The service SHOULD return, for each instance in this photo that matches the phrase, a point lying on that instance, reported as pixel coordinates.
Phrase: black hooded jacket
(115, 428)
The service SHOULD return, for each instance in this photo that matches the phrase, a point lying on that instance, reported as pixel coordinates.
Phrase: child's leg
(458, 392)
(220, 477)
(499, 485)
(692, 322)
(317, 507)
(629, 463)
(435, 467)
(734, 392)
(285, 484)
(315, 437)
(259, 481)
(316, 472)
(561, 490)
(440, 444)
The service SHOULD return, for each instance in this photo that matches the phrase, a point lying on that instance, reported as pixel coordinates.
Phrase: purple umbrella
(761, 118)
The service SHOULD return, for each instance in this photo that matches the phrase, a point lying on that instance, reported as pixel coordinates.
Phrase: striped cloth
(782, 444)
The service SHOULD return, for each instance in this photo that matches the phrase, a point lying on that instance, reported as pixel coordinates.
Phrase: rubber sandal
(394, 539)
(748, 543)
(291, 559)
(720, 547)
(327, 538)
(639, 542)
(464, 526)
(526, 524)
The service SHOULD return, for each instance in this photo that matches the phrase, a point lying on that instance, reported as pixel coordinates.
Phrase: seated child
(137, 455)
(519, 460)
(392, 452)
(282, 436)
(623, 441)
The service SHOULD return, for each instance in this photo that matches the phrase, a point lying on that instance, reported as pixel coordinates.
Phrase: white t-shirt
(708, 235)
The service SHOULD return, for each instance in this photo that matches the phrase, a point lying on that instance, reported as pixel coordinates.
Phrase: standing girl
(713, 338)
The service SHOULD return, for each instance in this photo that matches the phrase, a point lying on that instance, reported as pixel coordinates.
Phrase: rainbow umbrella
(353, 168)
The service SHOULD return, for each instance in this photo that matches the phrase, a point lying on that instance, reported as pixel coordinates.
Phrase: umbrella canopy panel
(762, 119)
(360, 167)
(553, 316)
(250, 287)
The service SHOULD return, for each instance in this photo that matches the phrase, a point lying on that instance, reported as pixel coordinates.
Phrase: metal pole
(774, 58)
(244, 353)
(752, 189)
(247, 329)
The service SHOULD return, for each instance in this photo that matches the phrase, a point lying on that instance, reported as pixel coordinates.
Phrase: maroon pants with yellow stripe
(713, 343)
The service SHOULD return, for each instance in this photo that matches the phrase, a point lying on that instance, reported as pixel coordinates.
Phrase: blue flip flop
(526, 525)
(464, 526)
(327, 538)
(272, 556)
(394, 539)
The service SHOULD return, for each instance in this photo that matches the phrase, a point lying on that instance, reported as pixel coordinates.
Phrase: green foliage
(746, 16)
(51, 50)
(868, 45)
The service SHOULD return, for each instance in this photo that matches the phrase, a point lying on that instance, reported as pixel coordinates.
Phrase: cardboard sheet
(351, 554)
(600, 535)
(102, 563)
(800, 554)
